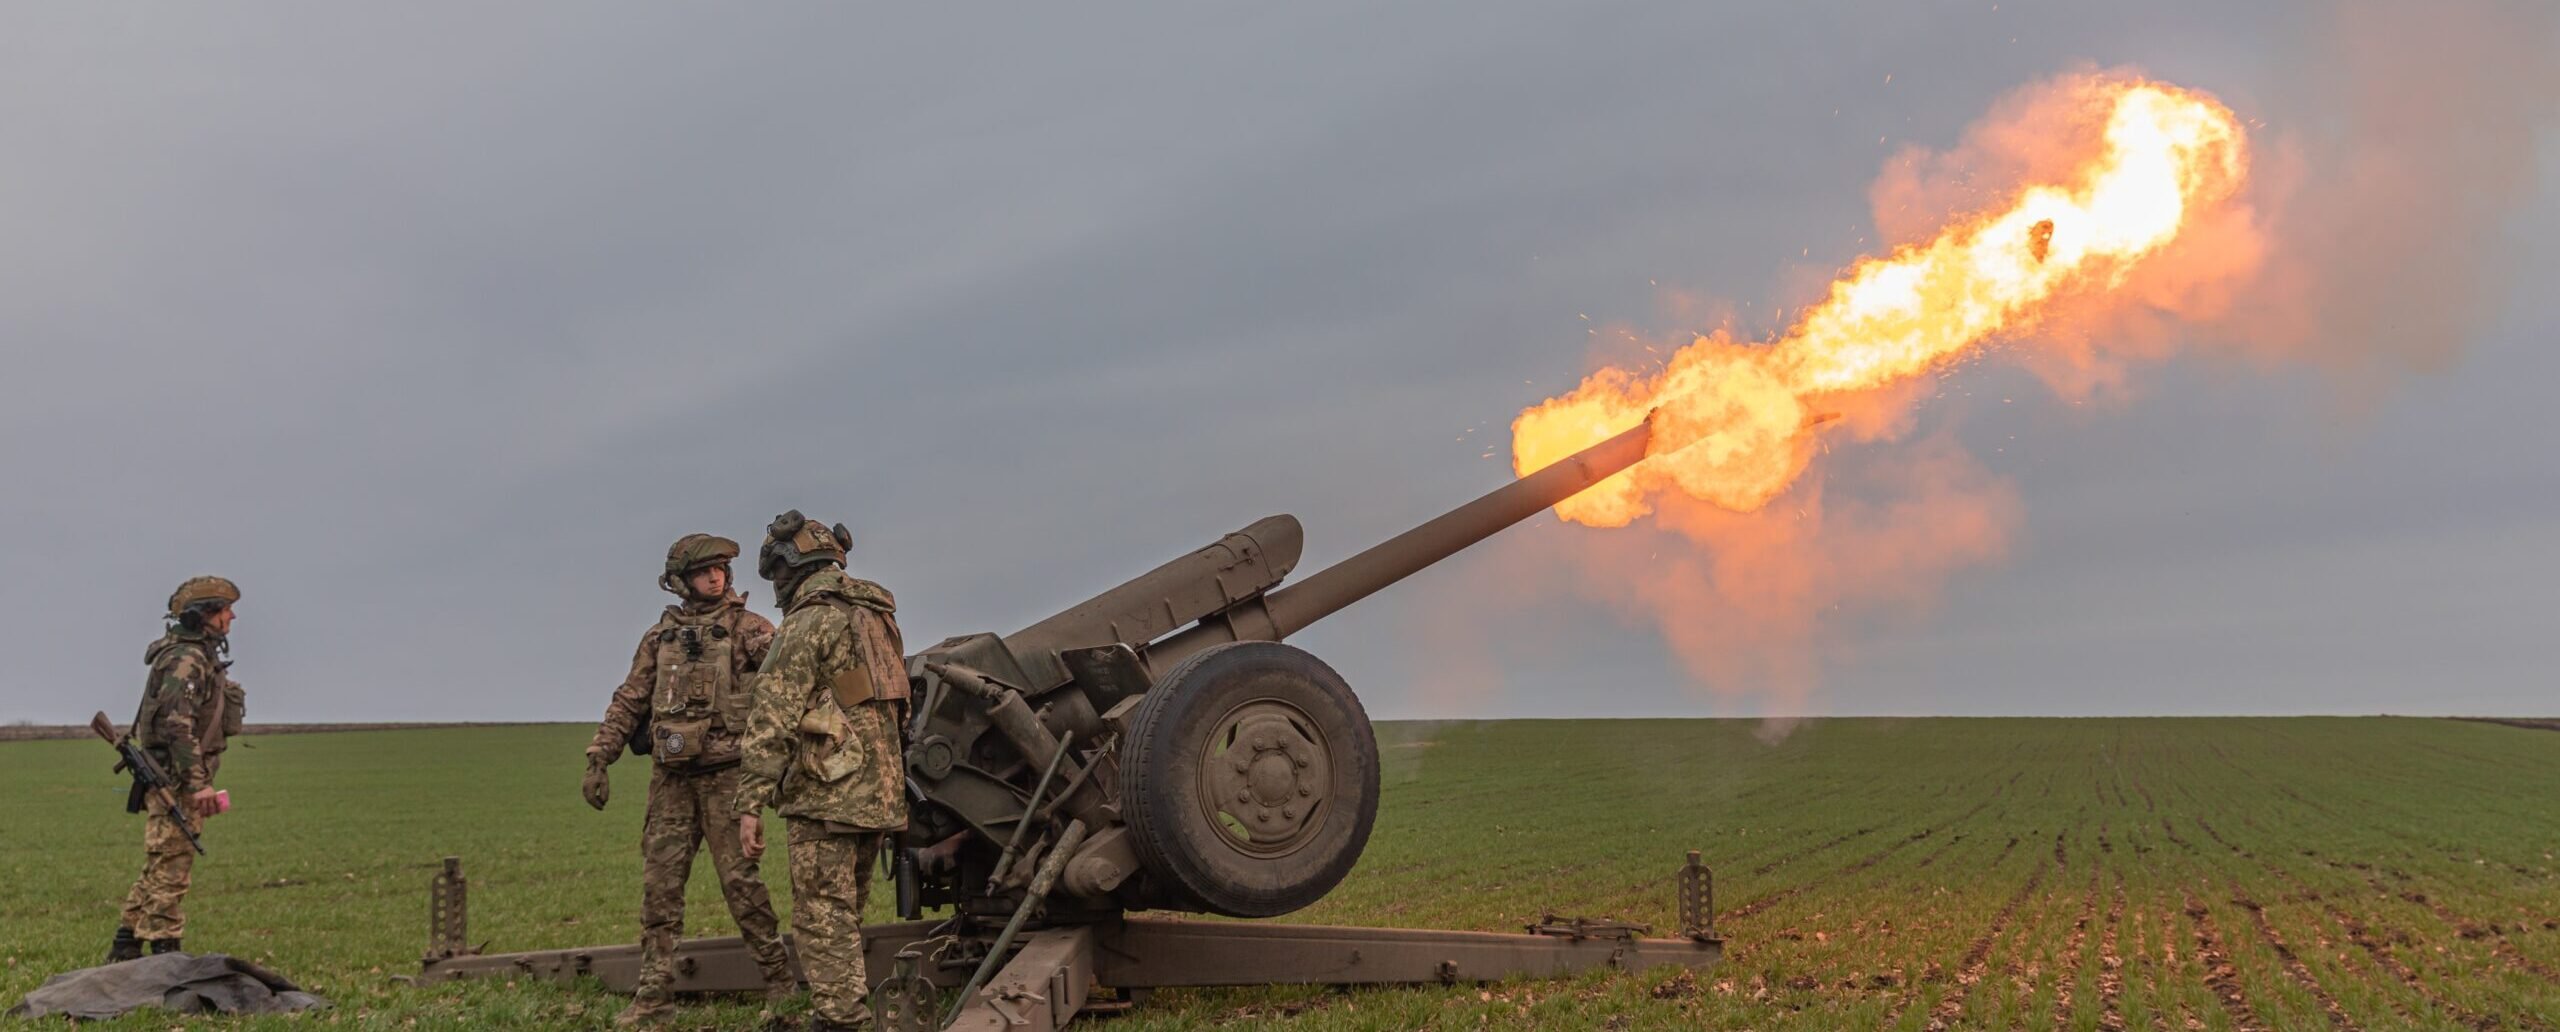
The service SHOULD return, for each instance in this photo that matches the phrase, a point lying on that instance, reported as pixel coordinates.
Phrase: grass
(2212, 873)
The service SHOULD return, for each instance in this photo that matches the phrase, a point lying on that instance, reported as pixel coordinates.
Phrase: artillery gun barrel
(1328, 591)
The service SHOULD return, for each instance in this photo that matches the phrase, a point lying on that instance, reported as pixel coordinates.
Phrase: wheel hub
(1265, 777)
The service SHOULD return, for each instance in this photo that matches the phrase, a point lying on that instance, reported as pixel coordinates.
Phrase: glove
(598, 785)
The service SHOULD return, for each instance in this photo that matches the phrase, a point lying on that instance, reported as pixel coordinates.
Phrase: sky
(433, 327)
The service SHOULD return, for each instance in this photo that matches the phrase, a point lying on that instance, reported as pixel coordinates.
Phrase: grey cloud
(433, 327)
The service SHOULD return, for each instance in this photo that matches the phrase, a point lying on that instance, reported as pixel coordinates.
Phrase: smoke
(1743, 599)
(2367, 244)
(2413, 138)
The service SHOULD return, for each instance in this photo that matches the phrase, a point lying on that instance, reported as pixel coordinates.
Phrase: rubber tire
(1160, 781)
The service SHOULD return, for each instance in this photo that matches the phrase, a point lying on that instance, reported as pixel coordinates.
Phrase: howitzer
(1159, 747)
(1219, 769)
(148, 778)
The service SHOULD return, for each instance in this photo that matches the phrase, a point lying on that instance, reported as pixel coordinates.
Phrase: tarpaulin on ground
(189, 983)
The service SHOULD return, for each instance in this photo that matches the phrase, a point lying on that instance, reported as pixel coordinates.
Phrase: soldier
(824, 747)
(684, 703)
(190, 709)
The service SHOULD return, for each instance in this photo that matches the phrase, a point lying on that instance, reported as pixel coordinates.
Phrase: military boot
(645, 1012)
(125, 948)
(818, 1024)
(168, 945)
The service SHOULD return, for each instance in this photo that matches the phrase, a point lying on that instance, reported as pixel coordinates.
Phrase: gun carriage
(1156, 747)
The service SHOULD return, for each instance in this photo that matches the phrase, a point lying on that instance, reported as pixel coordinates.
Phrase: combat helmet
(693, 552)
(792, 541)
(201, 597)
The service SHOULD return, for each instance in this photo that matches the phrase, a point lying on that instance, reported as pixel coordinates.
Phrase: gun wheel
(1250, 778)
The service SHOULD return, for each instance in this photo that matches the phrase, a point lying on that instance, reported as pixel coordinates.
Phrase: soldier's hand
(751, 836)
(598, 785)
(203, 803)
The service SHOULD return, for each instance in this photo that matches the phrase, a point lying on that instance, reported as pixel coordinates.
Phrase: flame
(1734, 422)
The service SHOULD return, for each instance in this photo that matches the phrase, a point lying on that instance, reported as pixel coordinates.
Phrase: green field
(2208, 873)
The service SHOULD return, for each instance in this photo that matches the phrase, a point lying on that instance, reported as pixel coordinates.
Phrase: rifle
(148, 777)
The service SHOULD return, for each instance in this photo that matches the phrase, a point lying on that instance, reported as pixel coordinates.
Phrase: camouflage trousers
(156, 908)
(830, 882)
(686, 812)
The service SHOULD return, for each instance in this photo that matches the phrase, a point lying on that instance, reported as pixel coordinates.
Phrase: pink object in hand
(222, 801)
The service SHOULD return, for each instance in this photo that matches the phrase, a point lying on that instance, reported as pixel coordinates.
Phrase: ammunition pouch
(682, 741)
(235, 707)
(827, 750)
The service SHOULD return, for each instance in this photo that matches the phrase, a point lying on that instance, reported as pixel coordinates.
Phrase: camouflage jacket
(190, 706)
(807, 754)
(631, 702)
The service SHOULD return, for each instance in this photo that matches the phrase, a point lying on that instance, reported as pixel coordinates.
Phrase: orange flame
(1734, 422)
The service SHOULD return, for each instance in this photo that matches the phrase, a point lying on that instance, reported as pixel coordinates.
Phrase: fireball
(1736, 423)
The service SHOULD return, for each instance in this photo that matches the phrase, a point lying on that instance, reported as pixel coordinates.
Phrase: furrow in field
(1870, 860)
(1949, 841)
(1800, 854)
(2376, 946)
(2477, 930)
(1977, 957)
(2169, 828)
(2111, 964)
(2217, 837)
(1792, 891)
(2219, 973)
(2160, 1003)
(2148, 805)
(2066, 980)
(2293, 965)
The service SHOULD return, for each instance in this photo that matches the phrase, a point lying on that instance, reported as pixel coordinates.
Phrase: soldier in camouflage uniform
(190, 709)
(824, 746)
(684, 703)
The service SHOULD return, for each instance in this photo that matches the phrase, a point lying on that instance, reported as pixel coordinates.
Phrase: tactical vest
(884, 673)
(216, 719)
(698, 708)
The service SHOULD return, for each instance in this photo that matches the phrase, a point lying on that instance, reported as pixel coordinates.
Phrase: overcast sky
(433, 327)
